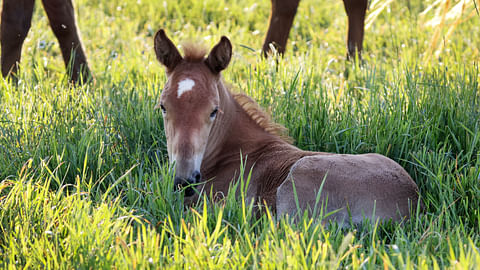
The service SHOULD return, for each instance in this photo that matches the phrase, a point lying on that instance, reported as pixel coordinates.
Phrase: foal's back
(358, 186)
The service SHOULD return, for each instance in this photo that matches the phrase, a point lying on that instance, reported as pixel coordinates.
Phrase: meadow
(84, 171)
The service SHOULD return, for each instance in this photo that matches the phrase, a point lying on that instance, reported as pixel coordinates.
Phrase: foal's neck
(234, 131)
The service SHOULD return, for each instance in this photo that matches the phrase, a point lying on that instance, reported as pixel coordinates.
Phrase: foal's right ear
(166, 51)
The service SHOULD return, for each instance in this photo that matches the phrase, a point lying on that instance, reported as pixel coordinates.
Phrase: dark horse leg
(356, 10)
(62, 20)
(283, 13)
(281, 19)
(16, 19)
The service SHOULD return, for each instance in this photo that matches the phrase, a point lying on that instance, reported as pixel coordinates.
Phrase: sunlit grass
(85, 181)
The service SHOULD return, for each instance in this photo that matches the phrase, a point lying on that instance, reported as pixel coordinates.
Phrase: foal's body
(358, 186)
(210, 131)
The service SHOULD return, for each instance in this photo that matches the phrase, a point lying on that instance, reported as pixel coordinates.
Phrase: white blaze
(184, 86)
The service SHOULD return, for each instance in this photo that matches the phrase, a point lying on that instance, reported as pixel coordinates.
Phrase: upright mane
(193, 52)
(260, 117)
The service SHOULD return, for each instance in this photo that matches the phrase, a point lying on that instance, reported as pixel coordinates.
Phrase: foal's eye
(214, 113)
(163, 108)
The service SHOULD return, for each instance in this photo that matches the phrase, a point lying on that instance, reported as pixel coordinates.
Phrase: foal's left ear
(220, 55)
(166, 51)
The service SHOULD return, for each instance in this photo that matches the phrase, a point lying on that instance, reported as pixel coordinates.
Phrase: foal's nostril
(197, 176)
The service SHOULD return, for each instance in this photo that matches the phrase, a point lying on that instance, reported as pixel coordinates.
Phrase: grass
(84, 175)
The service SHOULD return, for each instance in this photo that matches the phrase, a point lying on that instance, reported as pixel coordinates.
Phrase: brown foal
(210, 130)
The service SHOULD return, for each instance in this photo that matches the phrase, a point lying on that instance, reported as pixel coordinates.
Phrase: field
(84, 170)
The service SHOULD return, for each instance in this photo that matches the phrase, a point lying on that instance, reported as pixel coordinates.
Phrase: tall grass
(84, 175)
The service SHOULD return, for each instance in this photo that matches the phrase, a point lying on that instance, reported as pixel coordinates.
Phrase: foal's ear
(166, 51)
(220, 55)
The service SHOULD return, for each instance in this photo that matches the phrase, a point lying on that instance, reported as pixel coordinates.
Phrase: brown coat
(212, 132)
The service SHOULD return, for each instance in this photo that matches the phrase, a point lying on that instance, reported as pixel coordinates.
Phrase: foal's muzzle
(180, 182)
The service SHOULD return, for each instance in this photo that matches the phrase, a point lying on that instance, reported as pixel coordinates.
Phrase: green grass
(84, 174)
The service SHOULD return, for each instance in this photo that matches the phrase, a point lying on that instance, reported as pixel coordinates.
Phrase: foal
(208, 129)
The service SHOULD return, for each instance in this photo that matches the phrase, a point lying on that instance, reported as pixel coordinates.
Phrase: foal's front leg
(62, 20)
(16, 21)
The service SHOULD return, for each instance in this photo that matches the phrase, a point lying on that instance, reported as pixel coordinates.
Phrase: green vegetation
(83, 170)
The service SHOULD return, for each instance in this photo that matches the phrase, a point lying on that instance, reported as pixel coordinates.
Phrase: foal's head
(190, 103)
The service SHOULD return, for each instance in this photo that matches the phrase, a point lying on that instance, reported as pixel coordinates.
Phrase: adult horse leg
(281, 19)
(356, 10)
(62, 20)
(16, 21)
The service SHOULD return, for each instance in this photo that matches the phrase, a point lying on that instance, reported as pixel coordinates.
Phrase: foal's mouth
(188, 188)
(188, 183)
(189, 191)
